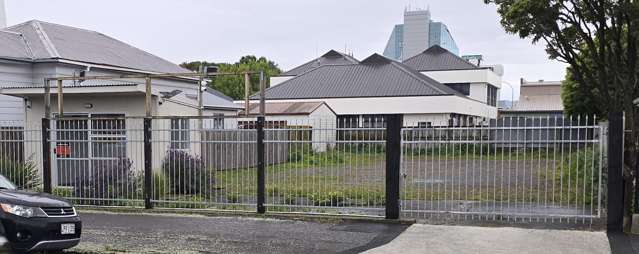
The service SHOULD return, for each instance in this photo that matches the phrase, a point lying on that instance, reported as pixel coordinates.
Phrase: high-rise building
(417, 34)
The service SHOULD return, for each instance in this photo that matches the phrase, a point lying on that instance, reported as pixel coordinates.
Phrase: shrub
(24, 175)
(305, 155)
(333, 198)
(113, 180)
(187, 173)
(63, 191)
(578, 177)
(160, 186)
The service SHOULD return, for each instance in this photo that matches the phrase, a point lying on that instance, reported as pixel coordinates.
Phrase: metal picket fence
(511, 169)
(514, 169)
(333, 166)
(21, 154)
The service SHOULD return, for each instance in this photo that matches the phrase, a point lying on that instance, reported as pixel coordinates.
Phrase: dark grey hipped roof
(437, 58)
(44, 41)
(331, 57)
(13, 46)
(376, 76)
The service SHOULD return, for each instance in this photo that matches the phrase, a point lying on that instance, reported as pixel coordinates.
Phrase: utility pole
(262, 94)
(247, 91)
(148, 97)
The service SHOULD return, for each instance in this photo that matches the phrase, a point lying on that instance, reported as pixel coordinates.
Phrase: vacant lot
(339, 181)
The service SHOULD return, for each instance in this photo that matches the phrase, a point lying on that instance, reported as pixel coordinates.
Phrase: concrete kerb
(320, 218)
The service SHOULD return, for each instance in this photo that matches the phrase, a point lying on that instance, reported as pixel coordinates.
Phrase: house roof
(376, 76)
(213, 100)
(38, 40)
(70, 83)
(13, 45)
(331, 57)
(286, 108)
(437, 58)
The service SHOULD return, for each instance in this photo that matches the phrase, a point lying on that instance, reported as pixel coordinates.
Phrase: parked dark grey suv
(36, 221)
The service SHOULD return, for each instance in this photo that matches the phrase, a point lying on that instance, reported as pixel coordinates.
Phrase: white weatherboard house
(358, 92)
(35, 50)
(315, 120)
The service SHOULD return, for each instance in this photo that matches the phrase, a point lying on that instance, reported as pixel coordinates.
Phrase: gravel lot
(146, 233)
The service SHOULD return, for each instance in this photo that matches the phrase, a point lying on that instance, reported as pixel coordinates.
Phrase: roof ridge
(4, 30)
(328, 54)
(454, 55)
(27, 46)
(61, 25)
(44, 37)
(286, 82)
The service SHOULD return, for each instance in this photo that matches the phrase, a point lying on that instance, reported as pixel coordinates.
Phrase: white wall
(479, 91)
(407, 105)
(129, 104)
(322, 121)
(465, 76)
(413, 120)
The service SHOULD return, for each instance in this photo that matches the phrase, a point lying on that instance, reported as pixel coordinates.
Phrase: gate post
(615, 183)
(148, 170)
(46, 155)
(393, 164)
(261, 183)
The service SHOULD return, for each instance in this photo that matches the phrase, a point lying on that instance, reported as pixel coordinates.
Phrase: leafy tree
(233, 85)
(598, 39)
(580, 99)
(195, 65)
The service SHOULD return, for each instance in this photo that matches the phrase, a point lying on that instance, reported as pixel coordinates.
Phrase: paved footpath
(432, 239)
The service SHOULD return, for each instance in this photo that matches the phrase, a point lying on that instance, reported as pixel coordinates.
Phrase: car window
(6, 184)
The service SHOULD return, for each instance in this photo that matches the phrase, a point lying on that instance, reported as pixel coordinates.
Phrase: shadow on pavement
(385, 233)
(622, 243)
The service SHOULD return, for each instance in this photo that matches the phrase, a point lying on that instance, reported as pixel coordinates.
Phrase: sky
(289, 32)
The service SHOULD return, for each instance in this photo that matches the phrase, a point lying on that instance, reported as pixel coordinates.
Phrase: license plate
(67, 229)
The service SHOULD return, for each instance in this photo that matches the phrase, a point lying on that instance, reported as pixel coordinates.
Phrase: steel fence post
(260, 166)
(46, 155)
(615, 172)
(393, 159)
(148, 170)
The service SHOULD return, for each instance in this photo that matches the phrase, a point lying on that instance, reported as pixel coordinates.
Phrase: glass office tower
(417, 34)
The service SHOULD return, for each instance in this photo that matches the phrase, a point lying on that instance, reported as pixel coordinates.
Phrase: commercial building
(416, 34)
(537, 99)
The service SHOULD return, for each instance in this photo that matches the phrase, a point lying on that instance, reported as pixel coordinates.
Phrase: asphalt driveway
(155, 233)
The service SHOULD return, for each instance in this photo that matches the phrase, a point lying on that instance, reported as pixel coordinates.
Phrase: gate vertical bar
(615, 175)
(260, 166)
(393, 157)
(46, 155)
(148, 157)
